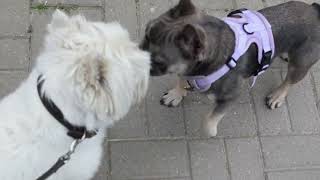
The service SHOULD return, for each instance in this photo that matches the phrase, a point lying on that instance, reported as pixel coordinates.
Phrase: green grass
(67, 9)
(40, 7)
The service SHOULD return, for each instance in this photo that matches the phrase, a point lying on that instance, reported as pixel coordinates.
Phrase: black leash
(62, 160)
(53, 169)
(79, 133)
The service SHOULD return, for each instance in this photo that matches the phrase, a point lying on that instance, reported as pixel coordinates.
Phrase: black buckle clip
(189, 87)
(231, 60)
(266, 58)
(265, 62)
(238, 11)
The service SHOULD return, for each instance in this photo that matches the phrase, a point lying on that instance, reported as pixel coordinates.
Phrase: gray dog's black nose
(158, 67)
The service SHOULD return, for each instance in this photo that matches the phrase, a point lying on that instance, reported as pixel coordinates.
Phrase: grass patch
(40, 7)
(65, 8)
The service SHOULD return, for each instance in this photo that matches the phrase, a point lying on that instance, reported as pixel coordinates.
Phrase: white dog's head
(94, 65)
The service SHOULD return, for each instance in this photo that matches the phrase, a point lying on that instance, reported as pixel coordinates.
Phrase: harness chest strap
(248, 27)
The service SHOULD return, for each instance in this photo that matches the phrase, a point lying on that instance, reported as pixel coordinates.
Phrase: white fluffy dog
(93, 73)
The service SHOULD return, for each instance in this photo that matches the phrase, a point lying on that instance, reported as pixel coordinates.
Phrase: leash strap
(79, 133)
(62, 160)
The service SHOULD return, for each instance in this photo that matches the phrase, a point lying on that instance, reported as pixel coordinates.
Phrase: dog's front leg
(210, 123)
(173, 97)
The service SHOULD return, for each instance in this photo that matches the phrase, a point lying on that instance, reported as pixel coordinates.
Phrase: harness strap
(249, 27)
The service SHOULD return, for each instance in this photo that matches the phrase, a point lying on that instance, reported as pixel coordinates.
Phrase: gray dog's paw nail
(274, 102)
(172, 98)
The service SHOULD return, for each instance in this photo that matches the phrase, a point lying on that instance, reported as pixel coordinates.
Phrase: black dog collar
(75, 132)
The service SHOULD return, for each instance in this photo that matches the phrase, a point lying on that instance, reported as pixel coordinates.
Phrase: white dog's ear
(92, 86)
(59, 19)
(80, 22)
(91, 72)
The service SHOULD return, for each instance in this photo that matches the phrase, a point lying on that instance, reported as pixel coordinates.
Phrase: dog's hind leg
(174, 97)
(301, 60)
(210, 123)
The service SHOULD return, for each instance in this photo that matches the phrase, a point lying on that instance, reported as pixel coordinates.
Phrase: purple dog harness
(249, 27)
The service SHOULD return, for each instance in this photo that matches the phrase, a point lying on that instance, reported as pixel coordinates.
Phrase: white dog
(93, 73)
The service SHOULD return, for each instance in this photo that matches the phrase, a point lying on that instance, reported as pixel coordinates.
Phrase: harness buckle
(188, 87)
(232, 63)
(266, 58)
(265, 62)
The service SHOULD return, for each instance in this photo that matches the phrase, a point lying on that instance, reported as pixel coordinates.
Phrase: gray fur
(203, 43)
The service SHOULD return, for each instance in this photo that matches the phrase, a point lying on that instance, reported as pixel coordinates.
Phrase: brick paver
(124, 11)
(40, 19)
(132, 126)
(240, 122)
(297, 175)
(203, 153)
(273, 122)
(141, 160)
(163, 121)
(14, 17)
(239, 151)
(68, 2)
(158, 143)
(302, 108)
(15, 53)
(10, 80)
(291, 152)
(316, 79)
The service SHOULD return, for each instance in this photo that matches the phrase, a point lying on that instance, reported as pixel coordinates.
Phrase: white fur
(93, 73)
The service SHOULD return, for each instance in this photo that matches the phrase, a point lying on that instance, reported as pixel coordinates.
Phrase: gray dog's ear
(193, 42)
(184, 8)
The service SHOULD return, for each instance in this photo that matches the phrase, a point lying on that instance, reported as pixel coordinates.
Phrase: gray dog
(186, 42)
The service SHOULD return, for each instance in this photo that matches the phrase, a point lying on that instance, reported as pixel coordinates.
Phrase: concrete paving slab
(14, 54)
(208, 159)
(143, 160)
(14, 17)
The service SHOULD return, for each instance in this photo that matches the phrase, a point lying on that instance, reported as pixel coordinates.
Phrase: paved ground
(157, 143)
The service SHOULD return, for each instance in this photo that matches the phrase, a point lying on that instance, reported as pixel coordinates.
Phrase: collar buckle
(232, 63)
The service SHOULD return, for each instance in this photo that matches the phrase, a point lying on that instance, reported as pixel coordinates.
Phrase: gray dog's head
(176, 40)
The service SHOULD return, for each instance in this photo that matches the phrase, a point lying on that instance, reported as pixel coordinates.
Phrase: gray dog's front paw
(276, 99)
(173, 97)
